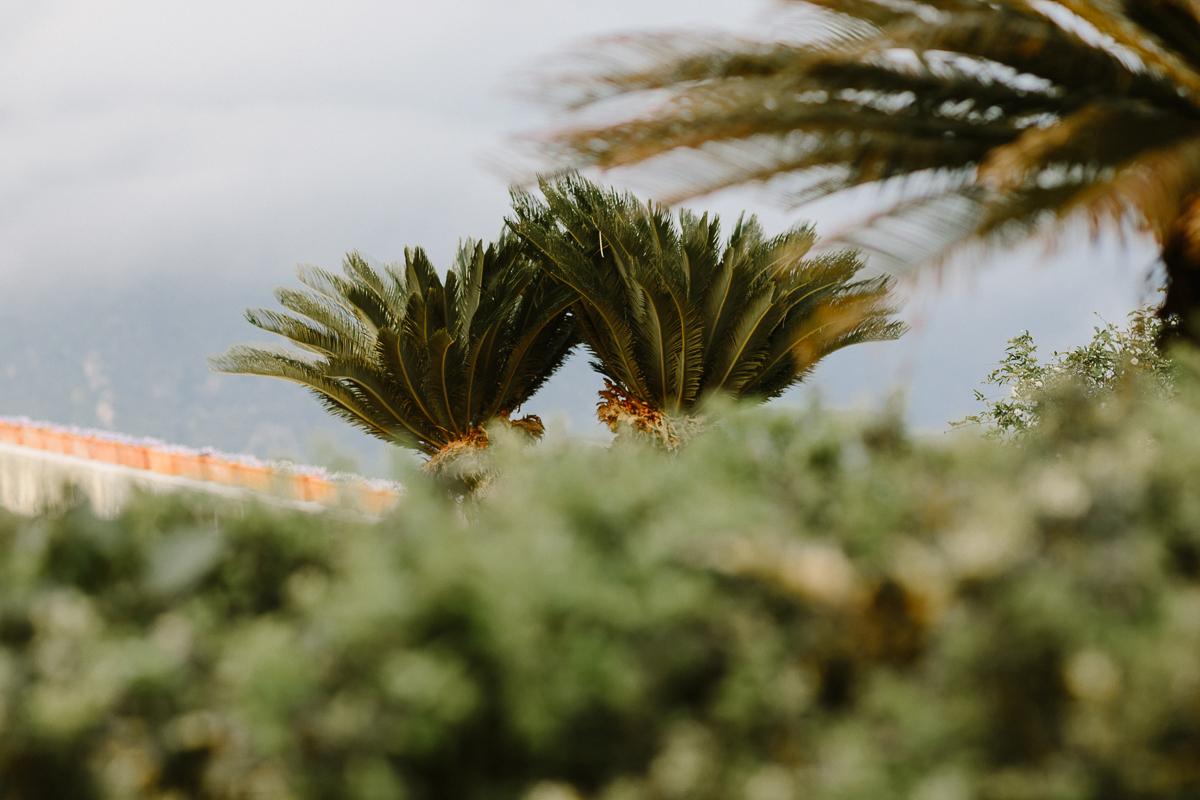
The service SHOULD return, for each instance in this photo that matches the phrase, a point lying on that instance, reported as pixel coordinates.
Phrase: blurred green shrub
(794, 606)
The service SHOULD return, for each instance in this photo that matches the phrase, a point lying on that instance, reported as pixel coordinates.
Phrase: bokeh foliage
(794, 605)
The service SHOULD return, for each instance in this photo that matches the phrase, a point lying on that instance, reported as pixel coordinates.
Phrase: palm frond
(409, 359)
(1031, 109)
(695, 316)
(1156, 187)
(1173, 22)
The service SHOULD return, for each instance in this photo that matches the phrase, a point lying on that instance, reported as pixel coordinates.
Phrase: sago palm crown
(411, 360)
(1014, 112)
(671, 313)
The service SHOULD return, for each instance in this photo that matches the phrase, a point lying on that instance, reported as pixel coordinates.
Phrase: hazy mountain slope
(130, 357)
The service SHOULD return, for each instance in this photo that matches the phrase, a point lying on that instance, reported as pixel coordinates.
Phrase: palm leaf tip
(410, 359)
(671, 313)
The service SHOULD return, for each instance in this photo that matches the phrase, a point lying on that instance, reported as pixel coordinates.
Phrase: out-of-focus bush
(792, 606)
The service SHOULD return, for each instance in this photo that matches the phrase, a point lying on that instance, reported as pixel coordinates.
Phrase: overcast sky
(234, 139)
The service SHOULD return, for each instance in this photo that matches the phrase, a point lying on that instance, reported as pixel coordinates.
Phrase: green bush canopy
(794, 605)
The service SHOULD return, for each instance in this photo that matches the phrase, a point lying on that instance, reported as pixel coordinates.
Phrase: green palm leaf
(672, 315)
(999, 115)
(414, 361)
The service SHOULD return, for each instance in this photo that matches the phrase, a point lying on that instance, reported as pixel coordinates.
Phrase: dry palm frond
(1040, 108)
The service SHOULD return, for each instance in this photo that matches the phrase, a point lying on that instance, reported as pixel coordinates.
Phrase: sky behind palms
(227, 141)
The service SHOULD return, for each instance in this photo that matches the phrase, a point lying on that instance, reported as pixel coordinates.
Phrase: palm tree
(415, 362)
(672, 315)
(1005, 115)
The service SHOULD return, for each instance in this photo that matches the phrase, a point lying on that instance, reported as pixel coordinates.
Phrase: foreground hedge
(792, 607)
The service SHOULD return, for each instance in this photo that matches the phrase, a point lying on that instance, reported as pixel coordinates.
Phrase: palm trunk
(1180, 311)
(624, 414)
(458, 465)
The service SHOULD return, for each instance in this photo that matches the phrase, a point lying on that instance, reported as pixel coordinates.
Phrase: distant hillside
(131, 357)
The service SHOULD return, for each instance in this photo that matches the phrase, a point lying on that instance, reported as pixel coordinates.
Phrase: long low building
(41, 462)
